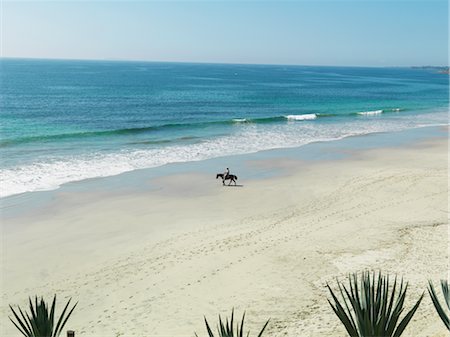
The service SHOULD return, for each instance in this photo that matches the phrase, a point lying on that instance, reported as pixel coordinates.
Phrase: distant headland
(439, 69)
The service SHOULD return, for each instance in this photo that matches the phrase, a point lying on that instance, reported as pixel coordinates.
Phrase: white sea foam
(370, 113)
(396, 109)
(301, 117)
(240, 120)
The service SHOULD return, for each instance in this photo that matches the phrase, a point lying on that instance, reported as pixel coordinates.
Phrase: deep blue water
(63, 121)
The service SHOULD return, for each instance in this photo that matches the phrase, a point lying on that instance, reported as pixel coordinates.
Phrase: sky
(304, 32)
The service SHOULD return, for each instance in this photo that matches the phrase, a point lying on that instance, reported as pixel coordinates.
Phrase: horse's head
(218, 175)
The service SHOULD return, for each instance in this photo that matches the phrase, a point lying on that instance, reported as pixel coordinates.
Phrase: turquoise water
(65, 121)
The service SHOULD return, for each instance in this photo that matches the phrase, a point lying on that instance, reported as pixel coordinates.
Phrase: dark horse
(230, 177)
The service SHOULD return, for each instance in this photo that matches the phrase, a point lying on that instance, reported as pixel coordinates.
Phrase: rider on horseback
(227, 176)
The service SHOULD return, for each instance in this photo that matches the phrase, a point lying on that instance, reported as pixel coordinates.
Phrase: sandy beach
(153, 261)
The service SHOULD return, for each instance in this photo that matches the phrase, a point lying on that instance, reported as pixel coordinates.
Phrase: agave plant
(227, 330)
(41, 321)
(371, 307)
(440, 310)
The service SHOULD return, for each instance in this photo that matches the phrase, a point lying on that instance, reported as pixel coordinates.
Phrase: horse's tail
(235, 177)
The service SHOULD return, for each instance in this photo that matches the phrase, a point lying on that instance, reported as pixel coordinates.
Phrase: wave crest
(370, 113)
(301, 117)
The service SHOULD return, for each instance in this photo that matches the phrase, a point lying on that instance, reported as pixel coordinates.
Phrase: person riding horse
(227, 176)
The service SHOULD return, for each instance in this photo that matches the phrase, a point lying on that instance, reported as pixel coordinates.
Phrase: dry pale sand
(152, 263)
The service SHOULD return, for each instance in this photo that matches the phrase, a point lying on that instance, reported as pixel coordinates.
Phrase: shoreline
(61, 180)
(153, 257)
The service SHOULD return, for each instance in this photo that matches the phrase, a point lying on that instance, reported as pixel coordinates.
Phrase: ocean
(67, 120)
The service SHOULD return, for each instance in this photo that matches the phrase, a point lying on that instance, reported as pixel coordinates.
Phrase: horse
(230, 177)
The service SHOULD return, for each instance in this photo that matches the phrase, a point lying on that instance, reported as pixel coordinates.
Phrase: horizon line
(217, 63)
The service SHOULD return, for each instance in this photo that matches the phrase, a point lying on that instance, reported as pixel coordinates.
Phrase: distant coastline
(438, 69)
